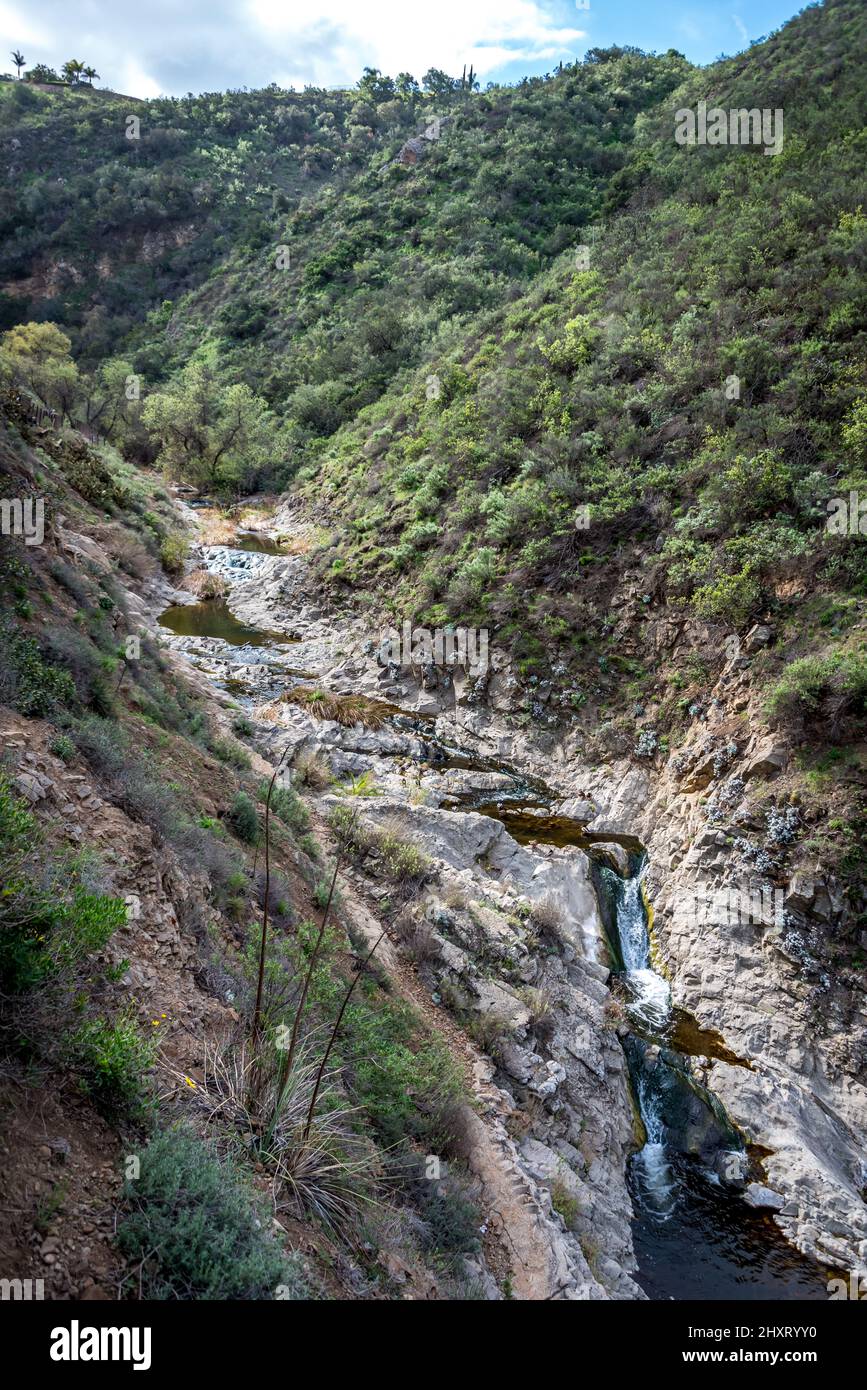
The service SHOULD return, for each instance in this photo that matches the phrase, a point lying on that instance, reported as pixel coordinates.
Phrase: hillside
(585, 924)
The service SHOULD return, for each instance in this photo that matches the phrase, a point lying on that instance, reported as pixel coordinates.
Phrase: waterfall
(649, 993)
(650, 1008)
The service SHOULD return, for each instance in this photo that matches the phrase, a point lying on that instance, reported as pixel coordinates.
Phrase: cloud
(741, 27)
(209, 45)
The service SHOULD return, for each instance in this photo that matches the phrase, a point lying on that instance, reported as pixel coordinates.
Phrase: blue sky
(174, 46)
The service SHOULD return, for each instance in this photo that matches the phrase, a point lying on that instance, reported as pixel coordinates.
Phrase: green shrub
(232, 754)
(27, 681)
(173, 552)
(196, 1231)
(62, 747)
(402, 1076)
(813, 681)
(451, 1217)
(112, 1059)
(731, 599)
(243, 818)
(49, 922)
(287, 806)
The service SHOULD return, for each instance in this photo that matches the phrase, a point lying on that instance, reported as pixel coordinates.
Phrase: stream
(694, 1235)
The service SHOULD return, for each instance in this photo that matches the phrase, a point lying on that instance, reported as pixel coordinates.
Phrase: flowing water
(695, 1237)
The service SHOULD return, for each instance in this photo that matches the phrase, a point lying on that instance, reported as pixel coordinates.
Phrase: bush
(835, 684)
(451, 1217)
(113, 1059)
(50, 923)
(731, 599)
(173, 552)
(62, 747)
(197, 1231)
(232, 754)
(27, 681)
(287, 806)
(243, 818)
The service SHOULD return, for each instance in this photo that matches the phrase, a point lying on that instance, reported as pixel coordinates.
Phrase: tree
(376, 86)
(112, 405)
(438, 83)
(19, 61)
(41, 73)
(406, 86)
(91, 74)
(216, 436)
(38, 358)
(72, 70)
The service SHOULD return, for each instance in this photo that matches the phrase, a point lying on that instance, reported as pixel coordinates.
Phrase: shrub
(403, 1077)
(565, 1202)
(173, 552)
(113, 1059)
(286, 805)
(62, 747)
(232, 754)
(348, 710)
(243, 818)
(399, 859)
(197, 1231)
(27, 681)
(731, 599)
(836, 684)
(205, 585)
(50, 923)
(451, 1217)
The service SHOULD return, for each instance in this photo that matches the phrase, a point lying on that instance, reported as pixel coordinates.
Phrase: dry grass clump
(205, 585)
(312, 770)
(343, 709)
(217, 530)
(318, 1164)
(419, 939)
(292, 545)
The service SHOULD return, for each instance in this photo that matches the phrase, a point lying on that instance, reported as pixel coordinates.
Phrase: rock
(800, 892)
(763, 1197)
(614, 855)
(767, 760)
(30, 787)
(94, 1293)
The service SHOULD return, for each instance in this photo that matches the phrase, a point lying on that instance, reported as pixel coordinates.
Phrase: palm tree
(19, 61)
(72, 70)
(91, 74)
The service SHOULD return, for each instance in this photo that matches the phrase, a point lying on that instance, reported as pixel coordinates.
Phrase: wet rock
(763, 1197)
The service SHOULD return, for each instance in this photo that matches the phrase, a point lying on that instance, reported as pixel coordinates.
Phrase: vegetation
(193, 1229)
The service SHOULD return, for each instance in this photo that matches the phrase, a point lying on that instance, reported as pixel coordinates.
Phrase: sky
(154, 47)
